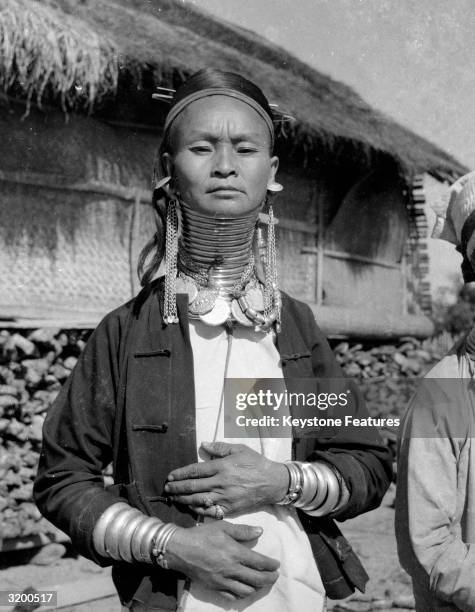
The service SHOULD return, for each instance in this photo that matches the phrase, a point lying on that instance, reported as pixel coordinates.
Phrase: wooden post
(320, 252)
(404, 281)
(134, 236)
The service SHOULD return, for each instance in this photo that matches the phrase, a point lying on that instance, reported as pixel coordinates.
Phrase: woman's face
(220, 158)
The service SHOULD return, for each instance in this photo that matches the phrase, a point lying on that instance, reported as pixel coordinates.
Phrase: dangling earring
(272, 299)
(171, 255)
(163, 182)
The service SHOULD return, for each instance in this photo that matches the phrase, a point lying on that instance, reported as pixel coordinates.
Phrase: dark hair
(153, 252)
(209, 78)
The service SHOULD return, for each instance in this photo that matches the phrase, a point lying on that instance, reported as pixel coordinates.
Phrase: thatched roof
(76, 51)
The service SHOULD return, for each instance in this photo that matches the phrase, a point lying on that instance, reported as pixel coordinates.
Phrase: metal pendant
(204, 302)
(239, 316)
(218, 315)
(255, 299)
(186, 285)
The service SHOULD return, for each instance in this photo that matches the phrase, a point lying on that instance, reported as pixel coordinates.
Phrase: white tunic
(249, 354)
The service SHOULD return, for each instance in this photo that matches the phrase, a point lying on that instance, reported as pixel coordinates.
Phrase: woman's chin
(226, 204)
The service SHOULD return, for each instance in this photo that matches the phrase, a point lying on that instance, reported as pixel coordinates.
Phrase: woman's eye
(200, 149)
(246, 150)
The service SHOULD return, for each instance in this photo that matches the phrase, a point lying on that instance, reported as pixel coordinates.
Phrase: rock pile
(387, 374)
(33, 366)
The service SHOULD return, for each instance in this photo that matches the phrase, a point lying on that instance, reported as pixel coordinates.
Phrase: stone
(23, 493)
(30, 510)
(46, 396)
(4, 337)
(40, 366)
(8, 401)
(70, 362)
(18, 430)
(49, 554)
(6, 376)
(44, 334)
(26, 346)
(35, 430)
(13, 479)
(27, 473)
(3, 503)
(59, 372)
(63, 339)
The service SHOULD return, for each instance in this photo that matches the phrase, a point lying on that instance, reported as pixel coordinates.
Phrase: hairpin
(167, 94)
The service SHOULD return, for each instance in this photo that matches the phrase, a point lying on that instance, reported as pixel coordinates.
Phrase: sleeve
(77, 442)
(430, 500)
(359, 454)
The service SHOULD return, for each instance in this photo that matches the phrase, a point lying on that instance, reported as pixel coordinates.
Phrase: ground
(372, 537)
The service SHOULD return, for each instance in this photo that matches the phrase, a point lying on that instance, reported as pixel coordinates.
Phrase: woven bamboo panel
(61, 253)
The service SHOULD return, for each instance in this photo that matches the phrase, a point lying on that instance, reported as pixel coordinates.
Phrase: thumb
(243, 533)
(220, 449)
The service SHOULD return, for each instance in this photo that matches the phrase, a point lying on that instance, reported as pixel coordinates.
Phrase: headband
(180, 106)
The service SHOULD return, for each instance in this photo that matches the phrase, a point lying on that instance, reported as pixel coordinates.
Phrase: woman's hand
(237, 479)
(213, 554)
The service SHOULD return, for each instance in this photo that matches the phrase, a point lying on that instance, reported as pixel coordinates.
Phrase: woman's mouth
(224, 189)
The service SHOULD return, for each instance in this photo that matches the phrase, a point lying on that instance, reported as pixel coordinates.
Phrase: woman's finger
(194, 470)
(257, 561)
(256, 579)
(210, 510)
(204, 500)
(223, 449)
(191, 487)
(227, 595)
(238, 589)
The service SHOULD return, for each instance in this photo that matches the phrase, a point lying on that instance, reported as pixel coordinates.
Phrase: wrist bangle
(147, 538)
(310, 488)
(295, 483)
(114, 530)
(99, 533)
(141, 552)
(333, 490)
(159, 544)
(126, 537)
(322, 489)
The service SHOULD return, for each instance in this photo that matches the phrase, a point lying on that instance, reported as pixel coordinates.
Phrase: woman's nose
(225, 164)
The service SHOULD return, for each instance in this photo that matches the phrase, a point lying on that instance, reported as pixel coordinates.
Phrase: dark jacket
(131, 400)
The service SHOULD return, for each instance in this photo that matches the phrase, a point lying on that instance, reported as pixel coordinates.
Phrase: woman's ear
(168, 183)
(167, 163)
(272, 184)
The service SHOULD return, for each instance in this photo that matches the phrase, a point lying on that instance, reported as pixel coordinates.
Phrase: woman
(435, 526)
(148, 392)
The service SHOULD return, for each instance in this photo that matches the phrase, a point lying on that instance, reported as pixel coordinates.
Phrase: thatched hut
(80, 131)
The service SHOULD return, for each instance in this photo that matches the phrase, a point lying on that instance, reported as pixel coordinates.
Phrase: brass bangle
(138, 534)
(309, 487)
(322, 488)
(294, 491)
(125, 538)
(160, 543)
(114, 530)
(99, 533)
(146, 540)
(333, 493)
